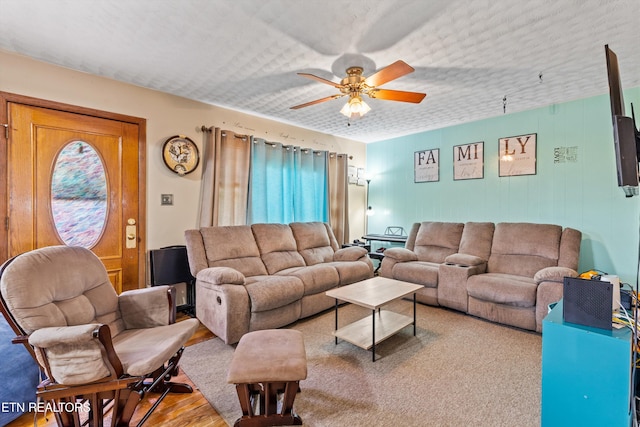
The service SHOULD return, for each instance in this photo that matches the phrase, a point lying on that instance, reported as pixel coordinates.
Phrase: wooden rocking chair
(98, 350)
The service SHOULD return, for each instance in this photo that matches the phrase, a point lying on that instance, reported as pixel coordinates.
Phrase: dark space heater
(169, 266)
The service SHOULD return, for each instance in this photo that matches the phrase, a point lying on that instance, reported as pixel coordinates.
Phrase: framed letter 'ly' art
(426, 165)
(468, 161)
(517, 155)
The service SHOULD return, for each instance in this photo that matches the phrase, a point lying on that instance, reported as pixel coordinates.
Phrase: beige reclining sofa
(507, 272)
(264, 276)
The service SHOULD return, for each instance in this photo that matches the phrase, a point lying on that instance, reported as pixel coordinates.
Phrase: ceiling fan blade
(388, 73)
(321, 80)
(317, 101)
(397, 95)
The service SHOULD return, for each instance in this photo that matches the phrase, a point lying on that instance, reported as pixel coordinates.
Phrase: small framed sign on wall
(517, 155)
(426, 165)
(468, 161)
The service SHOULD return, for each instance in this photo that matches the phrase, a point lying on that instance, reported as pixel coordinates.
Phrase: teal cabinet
(586, 374)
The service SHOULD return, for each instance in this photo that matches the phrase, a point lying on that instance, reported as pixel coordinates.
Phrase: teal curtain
(287, 184)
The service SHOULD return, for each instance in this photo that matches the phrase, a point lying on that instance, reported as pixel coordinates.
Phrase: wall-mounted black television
(626, 137)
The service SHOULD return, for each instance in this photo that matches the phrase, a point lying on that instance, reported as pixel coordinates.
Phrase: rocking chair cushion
(74, 355)
(142, 351)
(49, 337)
(59, 286)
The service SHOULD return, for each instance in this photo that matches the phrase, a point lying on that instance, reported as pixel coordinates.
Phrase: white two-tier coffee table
(373, 294)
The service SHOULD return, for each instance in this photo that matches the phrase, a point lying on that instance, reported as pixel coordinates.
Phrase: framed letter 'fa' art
(517, 155)
(468, 161)
(426, 165)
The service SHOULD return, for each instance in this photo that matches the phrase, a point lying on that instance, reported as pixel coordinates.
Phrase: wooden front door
(76, 178)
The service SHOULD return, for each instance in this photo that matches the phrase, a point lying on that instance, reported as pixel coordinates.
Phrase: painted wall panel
(579, 191)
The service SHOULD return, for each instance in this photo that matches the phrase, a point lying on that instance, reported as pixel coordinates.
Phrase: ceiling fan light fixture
(355, 84)
(355, 108)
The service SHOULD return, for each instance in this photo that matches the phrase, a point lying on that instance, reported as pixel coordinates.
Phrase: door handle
(131, 233)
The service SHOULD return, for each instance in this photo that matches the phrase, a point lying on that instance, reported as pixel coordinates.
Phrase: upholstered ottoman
(266, 368)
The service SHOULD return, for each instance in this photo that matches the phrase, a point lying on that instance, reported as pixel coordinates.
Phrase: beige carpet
(457, 371)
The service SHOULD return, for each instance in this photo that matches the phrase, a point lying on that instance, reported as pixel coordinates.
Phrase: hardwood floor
(175, 410)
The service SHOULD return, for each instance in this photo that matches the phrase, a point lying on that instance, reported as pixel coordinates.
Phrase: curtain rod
(203, 129)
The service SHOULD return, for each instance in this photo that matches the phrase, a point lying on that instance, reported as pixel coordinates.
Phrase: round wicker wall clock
(180, 154)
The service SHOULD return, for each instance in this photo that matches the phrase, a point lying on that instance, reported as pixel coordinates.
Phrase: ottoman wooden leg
(270, 410)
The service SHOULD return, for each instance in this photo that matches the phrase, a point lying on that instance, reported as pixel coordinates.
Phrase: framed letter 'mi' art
(517, 155)
(468, 161)
(426, 165)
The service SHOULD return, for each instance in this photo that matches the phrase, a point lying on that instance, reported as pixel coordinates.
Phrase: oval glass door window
(79, 195)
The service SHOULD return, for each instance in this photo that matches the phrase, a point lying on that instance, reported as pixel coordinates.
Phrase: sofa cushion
(419, 272)
(143, 350)
(524, 248)
(315, 278)
(313, 241)
(518, 291)
(277, 247)
(234, 247)
(437, 240)
(269, 292)
(476, 239)
(570, 248)
(195, 251)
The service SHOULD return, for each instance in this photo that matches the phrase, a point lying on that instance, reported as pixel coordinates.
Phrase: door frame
(6, 98)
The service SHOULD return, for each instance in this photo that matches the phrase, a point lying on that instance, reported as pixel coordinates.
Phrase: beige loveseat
(507, 272)
(264, 276)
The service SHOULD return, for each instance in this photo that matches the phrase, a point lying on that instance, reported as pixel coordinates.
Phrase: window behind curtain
(287, 184)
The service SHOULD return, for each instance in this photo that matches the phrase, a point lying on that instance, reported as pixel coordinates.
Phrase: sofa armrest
(393, 256)
(464, 260)
(400, 254)
(458, 273)
(554, 274)
(147, 308)
(548, 292)
(351, 253)
(220, 276)
(550, 287)
(452, 284)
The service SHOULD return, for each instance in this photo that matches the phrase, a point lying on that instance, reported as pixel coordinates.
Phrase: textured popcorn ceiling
(244, 54)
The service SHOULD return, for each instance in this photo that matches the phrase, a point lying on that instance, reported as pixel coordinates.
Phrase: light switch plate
(166, 200)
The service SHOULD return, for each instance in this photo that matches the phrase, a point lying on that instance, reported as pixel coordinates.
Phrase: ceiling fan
(355, 85)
